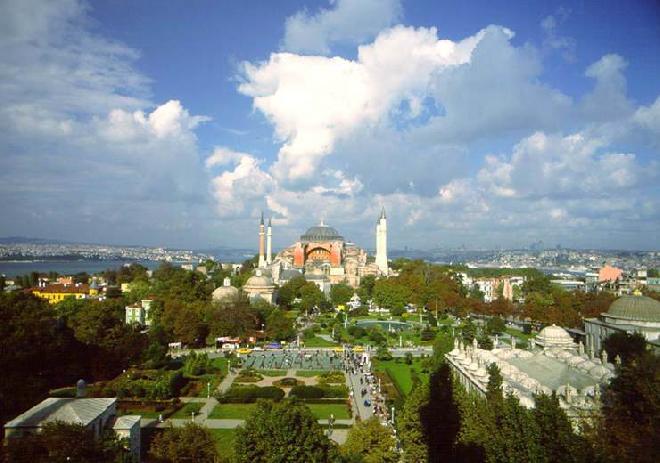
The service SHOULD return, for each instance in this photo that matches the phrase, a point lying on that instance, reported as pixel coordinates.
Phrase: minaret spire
(381, 243)
(269, 242)
(262, 257)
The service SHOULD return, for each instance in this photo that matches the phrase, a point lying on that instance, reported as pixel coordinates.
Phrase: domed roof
(554, 336)
(640, 308)
(321, 233)
(226, 292)
(259, 281)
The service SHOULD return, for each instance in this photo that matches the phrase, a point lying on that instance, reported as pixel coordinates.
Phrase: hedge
(249, 394)
(319, 392)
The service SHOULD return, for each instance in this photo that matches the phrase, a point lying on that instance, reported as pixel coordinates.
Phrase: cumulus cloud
(345, 22)
(314, 101)
(80, 136)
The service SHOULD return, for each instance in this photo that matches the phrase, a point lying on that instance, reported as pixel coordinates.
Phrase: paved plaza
(321, 359)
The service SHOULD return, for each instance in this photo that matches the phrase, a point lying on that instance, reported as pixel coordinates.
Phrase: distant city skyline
(492, 125)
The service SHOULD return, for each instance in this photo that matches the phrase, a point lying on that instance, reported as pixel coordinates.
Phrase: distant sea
(67, 267)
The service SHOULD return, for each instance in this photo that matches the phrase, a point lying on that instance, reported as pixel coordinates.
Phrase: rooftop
(639, 308)
(321, 232)
(80, 411)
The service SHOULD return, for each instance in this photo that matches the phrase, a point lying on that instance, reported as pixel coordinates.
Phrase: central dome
(640, 308)
(321, 233)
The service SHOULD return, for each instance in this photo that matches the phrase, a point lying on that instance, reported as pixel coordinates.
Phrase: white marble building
(559, 365)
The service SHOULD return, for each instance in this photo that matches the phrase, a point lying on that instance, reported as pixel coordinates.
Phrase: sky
(485, 124)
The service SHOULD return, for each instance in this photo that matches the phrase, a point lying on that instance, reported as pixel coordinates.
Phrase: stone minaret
(381, 243)
(269, 242)
(262, 258)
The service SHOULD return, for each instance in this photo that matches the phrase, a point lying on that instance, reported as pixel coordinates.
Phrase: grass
(518, 334)
(400, 373)
(323, 411)
(224, 442)
(231, 411)
(309, 373)
(319, 342)
(272, 372)
(187, 409)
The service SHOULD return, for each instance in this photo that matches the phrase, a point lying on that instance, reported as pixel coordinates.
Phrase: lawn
(309, 373)
(319, 342)
(400, 373)
(231, 411)
(272, 372)
(224, 443)
(186, 411)
(323, 411)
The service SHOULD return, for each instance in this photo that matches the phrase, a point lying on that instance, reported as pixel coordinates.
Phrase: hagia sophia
(321, 256)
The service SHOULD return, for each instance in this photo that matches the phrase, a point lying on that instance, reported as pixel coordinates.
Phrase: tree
(285, 431)
(391, 294)
(413, 434)
(60, 442)
(627, 346)
(365, 291)
(237, 319)
(279, 327)
(290, 290)
(629, 428)
(558, 441)
(372, 441)
(495, 325)
(310, 296)
(340, 294)
(192, 442)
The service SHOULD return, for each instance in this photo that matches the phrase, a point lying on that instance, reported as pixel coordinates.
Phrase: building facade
(629, 314)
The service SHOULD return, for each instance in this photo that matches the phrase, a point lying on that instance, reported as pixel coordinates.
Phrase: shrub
(319, 392)
(307, 392)
(427, 335)
(408, 358)
(287, 382)
(249, 394)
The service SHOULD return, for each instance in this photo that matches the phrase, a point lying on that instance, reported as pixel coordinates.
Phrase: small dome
(554, 336)
(226, 292)
(321, 233)
(639, 308)
(259, 281)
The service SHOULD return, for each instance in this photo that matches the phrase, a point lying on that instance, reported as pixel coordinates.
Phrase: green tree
(371, 441)
(495, 325)
(60, 442)
(366, 288)
(557, 440)
(630, 424)
(340, 294)
(391, 294)
(237, 319)
(413, 435)
(279, 327)
(627, 346)
(310, 296)
(279, 432)
(188, 443)
(290, 290)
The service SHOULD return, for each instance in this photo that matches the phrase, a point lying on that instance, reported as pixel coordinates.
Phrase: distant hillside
(27, 240)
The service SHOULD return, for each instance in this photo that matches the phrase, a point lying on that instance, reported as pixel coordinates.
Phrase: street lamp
(208, 390)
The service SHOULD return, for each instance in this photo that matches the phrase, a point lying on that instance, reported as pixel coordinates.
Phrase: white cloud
(346, 22)
(314, 101)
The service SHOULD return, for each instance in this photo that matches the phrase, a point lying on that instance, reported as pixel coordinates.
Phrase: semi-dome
(226, 292)
(554, 336)
(321, 233)
(639, 308)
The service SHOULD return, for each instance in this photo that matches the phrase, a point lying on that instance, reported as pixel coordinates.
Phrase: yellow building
(56, 292)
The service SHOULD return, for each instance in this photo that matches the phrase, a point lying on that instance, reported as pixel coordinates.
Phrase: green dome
(640, 308)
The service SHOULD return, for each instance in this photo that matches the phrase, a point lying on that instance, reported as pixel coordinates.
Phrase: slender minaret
(262, 259)
(381, 243)
(269, 242)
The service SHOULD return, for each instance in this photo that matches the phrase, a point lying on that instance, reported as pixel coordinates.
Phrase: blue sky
(485, 124)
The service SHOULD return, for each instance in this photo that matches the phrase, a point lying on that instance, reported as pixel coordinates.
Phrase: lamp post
(208, 390)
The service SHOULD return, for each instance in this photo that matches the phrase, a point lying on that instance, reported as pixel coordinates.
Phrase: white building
(139, 313)
(95, 414)
(560, 366)
(260, 286)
